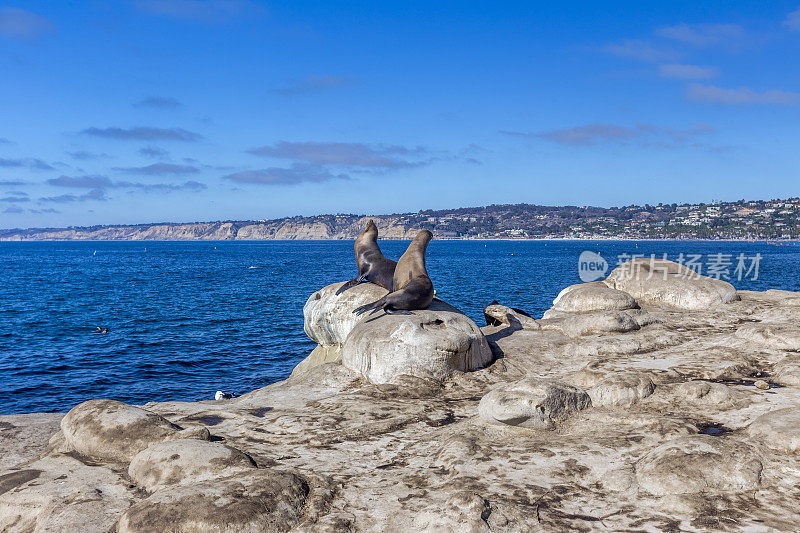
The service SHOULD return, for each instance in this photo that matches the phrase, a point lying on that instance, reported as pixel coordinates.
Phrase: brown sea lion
(413, 289)
(372, 265)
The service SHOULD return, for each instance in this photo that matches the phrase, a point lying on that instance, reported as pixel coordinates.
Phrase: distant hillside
(774, 219)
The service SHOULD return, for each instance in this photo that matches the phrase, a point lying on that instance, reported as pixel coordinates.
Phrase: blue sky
(138, 111)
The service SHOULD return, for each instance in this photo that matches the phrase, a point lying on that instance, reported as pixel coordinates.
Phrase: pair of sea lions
(407, 281)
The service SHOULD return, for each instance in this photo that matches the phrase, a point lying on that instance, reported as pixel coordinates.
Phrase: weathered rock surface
(673, 436)
(501, 315)
(112, 430)
(261, 500)
(532, 403)
(778, 429)
(621, 390)
(668, 283)
(700, 463)
(586, 297)
(436, 342)
(186, 461)
(328, 318)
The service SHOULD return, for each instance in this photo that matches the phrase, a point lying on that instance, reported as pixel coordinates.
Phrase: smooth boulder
(114, 431)
(186, 461)
(436, 342)
(532, 403)
(328, 318)
(670, 284)
(778, 429)
(699, 463)
(621, 389)
(587, 297)
(262, 500)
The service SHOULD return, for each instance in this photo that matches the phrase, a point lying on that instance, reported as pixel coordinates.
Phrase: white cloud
(687, 72)
(703, 35)
(641, 50)
(793, 21)
(740, 96)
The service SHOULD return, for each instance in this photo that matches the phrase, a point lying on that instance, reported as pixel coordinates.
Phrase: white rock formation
(668, 283)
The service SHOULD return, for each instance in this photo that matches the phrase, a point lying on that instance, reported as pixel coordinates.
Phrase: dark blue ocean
(189, 318)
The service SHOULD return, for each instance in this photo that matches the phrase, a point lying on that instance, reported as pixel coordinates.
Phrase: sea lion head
(423, 238)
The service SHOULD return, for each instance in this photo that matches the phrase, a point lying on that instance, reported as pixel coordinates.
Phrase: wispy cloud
(83, 155)
(12, 183)
(704, 35)
(199, 10)
(188, 186)
(142, 133)
(740, 96)
(295, 175)
(312, 84)
(793, 21)
(81, 182)
(158, 102)
(97, 195)
(589, 134)
(13, 210)
(640, 50)
(596, 133)
(344, 154)
(153, 152)
(36, 164)
(157, 169)
(3, 140)
(101, 183)
(22, 25)
(16, 197)
(687, 72)
(43, 211)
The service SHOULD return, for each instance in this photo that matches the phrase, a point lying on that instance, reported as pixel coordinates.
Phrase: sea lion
(413, 289)
(372, 265)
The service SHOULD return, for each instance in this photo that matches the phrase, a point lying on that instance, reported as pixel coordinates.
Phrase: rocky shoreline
(654, 400)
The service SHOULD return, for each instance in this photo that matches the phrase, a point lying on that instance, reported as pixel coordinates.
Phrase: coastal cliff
(778, 219)
(317, 228)
(642, 402)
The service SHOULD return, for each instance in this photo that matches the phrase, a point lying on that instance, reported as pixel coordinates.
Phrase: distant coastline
(757, 221)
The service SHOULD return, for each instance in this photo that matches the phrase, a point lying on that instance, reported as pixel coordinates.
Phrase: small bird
(222, 395)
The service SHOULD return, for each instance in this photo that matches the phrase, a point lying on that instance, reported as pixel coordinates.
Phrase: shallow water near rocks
(189, 318)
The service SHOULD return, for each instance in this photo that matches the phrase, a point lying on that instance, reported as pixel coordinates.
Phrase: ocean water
(189, 318)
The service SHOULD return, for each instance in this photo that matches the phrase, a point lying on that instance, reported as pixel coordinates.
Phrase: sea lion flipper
(370, 307)
(351, 283)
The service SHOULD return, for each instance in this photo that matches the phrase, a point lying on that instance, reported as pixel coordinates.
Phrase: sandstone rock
(761, 384)
(705, 392)
(328, 318)
(62, 494)
(320, 355)
(668, 283)
(262, 500)
(587, 297)
(464, 512)
(532, 403)
(773, 336)
(114, 431)
(578, 325)
(699, 463)
(787, 371)
(779, 429)
(501, 315)
(186, 461)
(432, 343)
(25, 437)
(621, 389)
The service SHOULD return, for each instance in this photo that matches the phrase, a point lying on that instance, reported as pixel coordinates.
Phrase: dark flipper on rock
(349, 284)
(374, 306)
